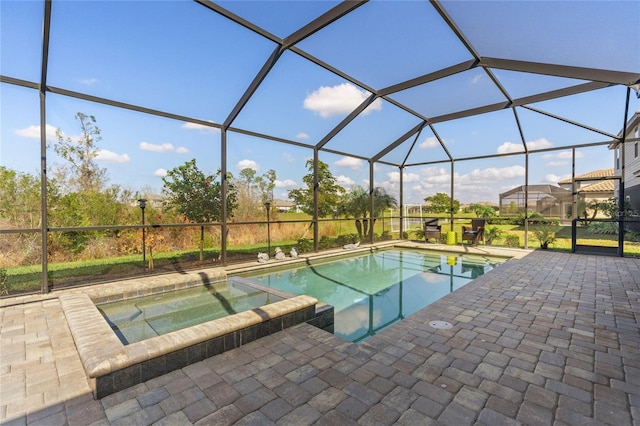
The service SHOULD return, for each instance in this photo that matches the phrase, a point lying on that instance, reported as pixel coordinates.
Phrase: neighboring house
(283, 206)
(597, 185)
(631, 165)
(548, 200)
(153, 200)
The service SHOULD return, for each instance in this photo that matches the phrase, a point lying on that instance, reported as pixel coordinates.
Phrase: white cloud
(146, 146)
(540, 143)
(344, 181)
(435, 175)
(165, 147)
(88, 81)
(430, 142)
(112, 157)
(495, 174)
(200, 127)
(477, 185)
(288, 157)
(554, 179)
(287, 183)
(561, 158)
(350, 162)
(302, 135)
(394, 177)
(160, 172)
(33, 132)
(477, 78)
(566, 155)
(247, 164)
(510, 147)
(339, 100)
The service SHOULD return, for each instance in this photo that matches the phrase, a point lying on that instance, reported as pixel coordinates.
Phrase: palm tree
(356, 204)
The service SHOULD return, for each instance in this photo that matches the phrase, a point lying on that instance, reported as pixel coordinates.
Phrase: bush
(632, 236)
(304, 245)
(386, 236)
(512, 241)
(504, 220)
(546, 235)
(4, 281)
(607, 228)
(325, 243)
(491, 234)
(342, 240)
(534, 218)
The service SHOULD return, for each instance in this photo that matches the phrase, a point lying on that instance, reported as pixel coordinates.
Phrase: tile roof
(595, 174)
(602, 186)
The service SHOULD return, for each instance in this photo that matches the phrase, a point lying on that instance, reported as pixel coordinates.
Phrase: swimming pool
(374, 290)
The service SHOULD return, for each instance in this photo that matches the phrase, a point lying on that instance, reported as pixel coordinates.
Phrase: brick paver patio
(552, 338)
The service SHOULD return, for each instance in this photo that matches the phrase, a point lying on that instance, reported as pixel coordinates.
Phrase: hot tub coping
(104, 356)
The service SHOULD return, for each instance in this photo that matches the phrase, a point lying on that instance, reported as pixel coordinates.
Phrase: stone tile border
(111, 366)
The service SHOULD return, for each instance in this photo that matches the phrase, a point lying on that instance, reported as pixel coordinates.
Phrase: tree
(198, 196)
(246, 209)
(357, 204)
(253, 192)
(482, 210)
(195, 195)
(19, 198)
(248, 175)
(611, 208)
(84, 175)
(441, 203)
(265, 184)
(329, 192)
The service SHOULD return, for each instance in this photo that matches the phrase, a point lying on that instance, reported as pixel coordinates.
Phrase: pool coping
(111, 366)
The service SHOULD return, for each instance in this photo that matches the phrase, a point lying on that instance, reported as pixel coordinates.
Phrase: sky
(181, 58)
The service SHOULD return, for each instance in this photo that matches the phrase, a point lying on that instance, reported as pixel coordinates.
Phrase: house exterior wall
(632, 160)
(631, 168)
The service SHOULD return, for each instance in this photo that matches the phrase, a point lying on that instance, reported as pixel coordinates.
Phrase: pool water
(134, 320)
(372, 291)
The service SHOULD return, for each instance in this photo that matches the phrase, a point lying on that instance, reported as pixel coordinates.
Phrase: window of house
(636, 149)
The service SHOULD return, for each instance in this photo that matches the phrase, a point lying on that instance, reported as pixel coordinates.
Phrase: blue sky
(178, 57)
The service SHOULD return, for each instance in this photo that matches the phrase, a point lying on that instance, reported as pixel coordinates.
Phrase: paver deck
(549, 339)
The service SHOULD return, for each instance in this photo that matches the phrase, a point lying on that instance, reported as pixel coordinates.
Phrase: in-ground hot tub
(112, 366)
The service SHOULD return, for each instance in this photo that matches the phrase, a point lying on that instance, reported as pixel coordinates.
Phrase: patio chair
(474, 233)
(432, 230)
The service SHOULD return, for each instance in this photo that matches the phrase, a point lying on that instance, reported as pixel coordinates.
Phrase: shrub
(4, 281)
(386, 236)
(607, 228)
(325, 242)
(504, 220)
(491, 234)
(512, 241)
(342, 240)
(304, 245)
(632, 237)
(545, 235)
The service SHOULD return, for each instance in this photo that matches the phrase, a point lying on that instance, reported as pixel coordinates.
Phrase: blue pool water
(372, 291)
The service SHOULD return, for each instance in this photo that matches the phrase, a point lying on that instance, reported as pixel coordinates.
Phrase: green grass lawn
(28, 278)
